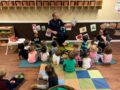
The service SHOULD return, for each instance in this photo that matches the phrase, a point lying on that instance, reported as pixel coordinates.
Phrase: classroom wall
(107, 13)
(27, 31)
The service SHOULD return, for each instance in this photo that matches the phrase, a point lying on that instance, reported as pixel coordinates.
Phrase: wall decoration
(43, 28)
(34, 26)
(38, 27)
(93, 27)
(83, 29)
(117, 6)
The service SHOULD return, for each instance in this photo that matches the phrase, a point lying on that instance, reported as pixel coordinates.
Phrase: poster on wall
(83, 29)
(43, 28)
(34, 26)
(38, 27)
(93, 27)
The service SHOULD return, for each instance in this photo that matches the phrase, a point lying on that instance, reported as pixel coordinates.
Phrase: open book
(48, 33)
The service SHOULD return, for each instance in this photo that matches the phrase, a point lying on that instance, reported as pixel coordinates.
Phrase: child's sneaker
(17, 76)
(21, 75)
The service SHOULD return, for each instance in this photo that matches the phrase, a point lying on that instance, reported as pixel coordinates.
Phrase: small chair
(79, 3)
(11, 4)
(18, 3)
(4, 4)
(72, 3)
(65, 3)
(45, 4)
(38, 4)
(59, 3)
(25, 4)
(31, 3)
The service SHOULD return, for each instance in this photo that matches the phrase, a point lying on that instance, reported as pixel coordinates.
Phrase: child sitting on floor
(36, 40)
(44, 55)
(95, 40)
(93, 52)
(54, 47)
(69, 64)
(32, 55)
(23, 53)
(76, 50)
(27, 44)
(11, 84)
(87, 62)
(44, 43)
(106, 58)
(76, 47)
(84, 46)
(56, 57)
(52, 79)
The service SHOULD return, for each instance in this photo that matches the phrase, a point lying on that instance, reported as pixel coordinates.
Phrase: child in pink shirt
(93, 52)
(107, 55)
(32, 55)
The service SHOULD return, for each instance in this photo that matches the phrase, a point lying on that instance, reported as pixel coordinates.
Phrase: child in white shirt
(56, 57)
(87, 62)
(44, 55)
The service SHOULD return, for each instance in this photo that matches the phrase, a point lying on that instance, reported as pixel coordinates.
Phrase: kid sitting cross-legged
(69, 64)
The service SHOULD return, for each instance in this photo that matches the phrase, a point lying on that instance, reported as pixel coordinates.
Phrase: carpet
(25, 64)
(81, 79)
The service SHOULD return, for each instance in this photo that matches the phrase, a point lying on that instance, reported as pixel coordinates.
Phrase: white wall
(107, 13)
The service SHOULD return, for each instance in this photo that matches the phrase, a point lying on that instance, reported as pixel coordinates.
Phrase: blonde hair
(93, 48)
(2, 73)
(32, 48)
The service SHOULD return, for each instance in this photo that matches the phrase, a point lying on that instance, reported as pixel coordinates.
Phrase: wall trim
(80, 21)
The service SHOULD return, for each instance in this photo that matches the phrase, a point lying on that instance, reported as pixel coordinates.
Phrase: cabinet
(5, 32)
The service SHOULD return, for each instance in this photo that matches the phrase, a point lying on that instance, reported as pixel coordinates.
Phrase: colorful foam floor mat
(81, 79)
(26, 64)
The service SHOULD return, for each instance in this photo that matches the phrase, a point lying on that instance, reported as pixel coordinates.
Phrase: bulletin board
(25, 30)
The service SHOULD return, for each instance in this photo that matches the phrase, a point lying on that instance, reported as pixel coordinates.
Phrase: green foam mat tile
(86, 84)
(70, 75)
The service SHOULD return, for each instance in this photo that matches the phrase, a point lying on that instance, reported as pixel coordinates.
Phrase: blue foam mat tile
(100, 83)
